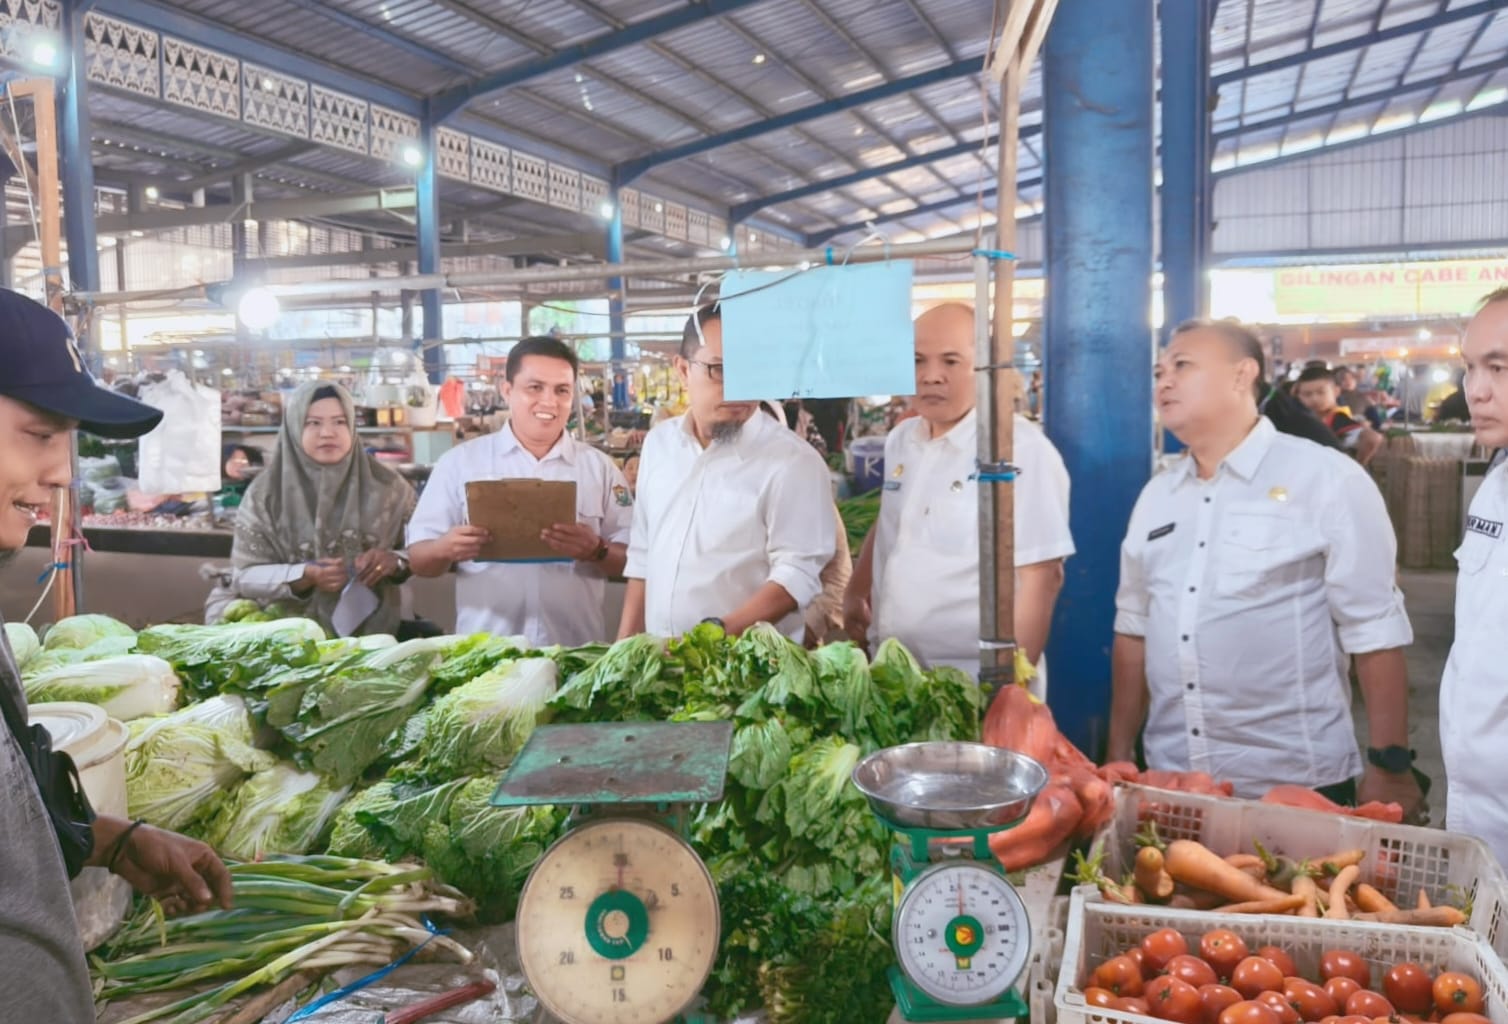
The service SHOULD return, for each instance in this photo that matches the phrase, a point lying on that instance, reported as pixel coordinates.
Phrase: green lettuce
(348, 836)
(235, 658)
(628, 683)
(80, 631)
(280, 810)
(127, 687)
(179, 766)
(473, 656)
(480, 726)
(107, 647)
(23, 641)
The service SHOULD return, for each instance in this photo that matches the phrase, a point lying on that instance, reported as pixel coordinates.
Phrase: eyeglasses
(714, 370)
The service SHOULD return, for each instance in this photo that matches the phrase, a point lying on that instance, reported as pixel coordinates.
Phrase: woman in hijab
(323, 514)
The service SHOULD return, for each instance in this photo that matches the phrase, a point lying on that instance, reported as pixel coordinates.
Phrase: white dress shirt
(1474, 691)
(548, 603)
(712, 525)
(926, 551)
(1251, 588)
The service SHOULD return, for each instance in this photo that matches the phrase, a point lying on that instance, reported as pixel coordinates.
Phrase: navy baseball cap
(41, 366)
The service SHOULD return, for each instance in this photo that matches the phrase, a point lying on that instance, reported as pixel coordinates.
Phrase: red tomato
(1342, 963)
(1215, 999)
(1310, 1000)
(1136, 954)
(1369, 1004)
(1160, 947)
(1455, 992)
(1222, 949)
(1278, 1004)
(1101, 997)
(1352, 1018)
(1249, 1012)
(1120, 975)
(1409, 988)
(1192, 970)
(1253, 976)
(1279, 957)
(1465, 1018)
(1342, 988)
(1132, 1004)
(1174, 1000)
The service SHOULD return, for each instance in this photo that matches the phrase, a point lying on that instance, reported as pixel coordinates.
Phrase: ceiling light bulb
(258, 309)
(411, 155)
(44, 53)
(152, 192)
(659, 207)
(759, 58)
(268, 85)
(1424, 334)
(725, 242)
(607, 209)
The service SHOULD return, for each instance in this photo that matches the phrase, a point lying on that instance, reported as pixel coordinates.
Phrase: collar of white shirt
(745, 444)
(1243, 462)
(565, 448)
(964, 437)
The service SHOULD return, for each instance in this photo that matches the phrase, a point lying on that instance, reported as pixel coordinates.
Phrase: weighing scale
(619, 920)
(961, 934)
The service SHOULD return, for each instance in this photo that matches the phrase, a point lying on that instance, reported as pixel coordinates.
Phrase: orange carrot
(1195, 865)
(1372, 901)
(1338, 891)
(1151, 877)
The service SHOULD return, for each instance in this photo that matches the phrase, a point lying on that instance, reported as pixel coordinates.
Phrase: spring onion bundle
(291, 914)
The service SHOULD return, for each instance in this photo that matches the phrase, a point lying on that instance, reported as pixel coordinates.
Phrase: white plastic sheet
(181, 456)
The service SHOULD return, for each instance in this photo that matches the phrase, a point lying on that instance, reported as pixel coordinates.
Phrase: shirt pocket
(1259, 550)
(1474, 553)
(951, 515)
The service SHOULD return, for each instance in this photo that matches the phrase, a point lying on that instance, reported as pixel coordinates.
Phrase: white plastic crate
(1400, 859)
(1098, 931)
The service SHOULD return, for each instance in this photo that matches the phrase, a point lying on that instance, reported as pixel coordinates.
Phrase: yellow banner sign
(1441, 288)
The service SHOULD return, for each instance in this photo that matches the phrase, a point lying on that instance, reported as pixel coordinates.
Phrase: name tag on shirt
(892, 485)
(1486, 527)
(1161, 531)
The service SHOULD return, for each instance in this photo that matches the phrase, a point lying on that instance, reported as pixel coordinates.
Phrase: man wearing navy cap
(45, 394)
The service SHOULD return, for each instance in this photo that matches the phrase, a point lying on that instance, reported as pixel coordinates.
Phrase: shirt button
(1191, 686)
(1206, 501)
(1192, 589)
(1185, 638)
(1201, 543)
(1194, 731)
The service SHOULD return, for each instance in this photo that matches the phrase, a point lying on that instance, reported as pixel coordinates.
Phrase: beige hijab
(299, 511)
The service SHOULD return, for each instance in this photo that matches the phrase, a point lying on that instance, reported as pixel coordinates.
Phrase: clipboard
(516, 512)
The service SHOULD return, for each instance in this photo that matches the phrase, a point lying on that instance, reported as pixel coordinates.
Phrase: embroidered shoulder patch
(1486, 527)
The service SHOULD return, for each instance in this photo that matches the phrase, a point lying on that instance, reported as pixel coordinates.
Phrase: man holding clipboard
(540, 580)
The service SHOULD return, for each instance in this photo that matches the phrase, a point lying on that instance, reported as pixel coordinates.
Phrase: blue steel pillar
(1097, 89)
(615, 318)
(1187, 187)
(77, 163)
(427, 230)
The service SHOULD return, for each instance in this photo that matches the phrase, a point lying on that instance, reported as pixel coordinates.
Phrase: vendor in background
(323, 514)
(1474, 690)
(239, 465)
(1317, 389)
(917, 578)
(546, 603)
(631, 473)
(1362, 405)
(1251, 569)
(45, 393)
(734, 520)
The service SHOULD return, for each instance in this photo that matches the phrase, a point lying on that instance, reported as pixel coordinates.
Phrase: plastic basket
(1099, 930)
(1400, 859)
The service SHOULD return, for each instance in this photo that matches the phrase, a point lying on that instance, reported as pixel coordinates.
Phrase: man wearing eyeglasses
(733, 519)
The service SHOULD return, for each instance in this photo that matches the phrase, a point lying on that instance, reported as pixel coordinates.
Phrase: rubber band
(49, 570)
(829, 255)
(370, 979)
(994, 254)
(995, 478)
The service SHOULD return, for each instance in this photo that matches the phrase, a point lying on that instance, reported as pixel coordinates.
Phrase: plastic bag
(183, 453)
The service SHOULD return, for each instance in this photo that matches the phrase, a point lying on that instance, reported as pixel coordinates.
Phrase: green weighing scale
(619, 920)
(961, 934)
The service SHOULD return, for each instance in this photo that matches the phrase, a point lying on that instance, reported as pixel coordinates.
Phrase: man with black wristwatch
(45, 394)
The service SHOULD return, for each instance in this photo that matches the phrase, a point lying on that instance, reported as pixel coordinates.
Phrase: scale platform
(619, 763)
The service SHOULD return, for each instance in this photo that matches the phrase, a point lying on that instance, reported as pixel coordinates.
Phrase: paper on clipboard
(516, 512)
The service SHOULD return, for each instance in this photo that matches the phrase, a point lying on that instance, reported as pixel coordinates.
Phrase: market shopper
(1251, 569)
(917, 578)
(44, 394)
(545, 602)
(1474, 690)
(734, 518)
(323, 516)
(1320, 394)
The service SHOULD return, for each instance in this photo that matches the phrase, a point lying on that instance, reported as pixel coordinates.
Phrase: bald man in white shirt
(733, 520)
(1252, 571)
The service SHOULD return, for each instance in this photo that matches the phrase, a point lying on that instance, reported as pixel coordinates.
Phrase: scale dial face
(618, 922)
(961, 933)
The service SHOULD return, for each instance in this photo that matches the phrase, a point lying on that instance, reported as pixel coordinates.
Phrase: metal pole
(996, 417)
(427, 230)
(615, 302)
(1187, 186)
(1098, 95)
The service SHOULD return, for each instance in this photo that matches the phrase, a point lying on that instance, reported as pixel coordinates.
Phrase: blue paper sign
(829, 332)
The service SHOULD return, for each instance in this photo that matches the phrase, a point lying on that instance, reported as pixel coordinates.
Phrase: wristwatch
(715, 621)
(1393, 759)
(404, 570)
(602, 551)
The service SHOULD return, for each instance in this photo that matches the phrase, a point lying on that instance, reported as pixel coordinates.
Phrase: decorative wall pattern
(338, 120)
(453, 153)
(593, 194)
(565, 187)
(275, 101)
(675, 221)
(391, 131)
(652, 214)
(45, 14)
(491, 166)
(628, 198)
(121, 55)
(696, 227)
(531, 177)
(203, 79)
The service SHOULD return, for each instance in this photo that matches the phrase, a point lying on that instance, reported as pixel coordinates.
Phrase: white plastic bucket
(866, 463)
(97, 744)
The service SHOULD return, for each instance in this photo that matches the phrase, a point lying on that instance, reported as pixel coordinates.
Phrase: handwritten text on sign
(829, 332)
